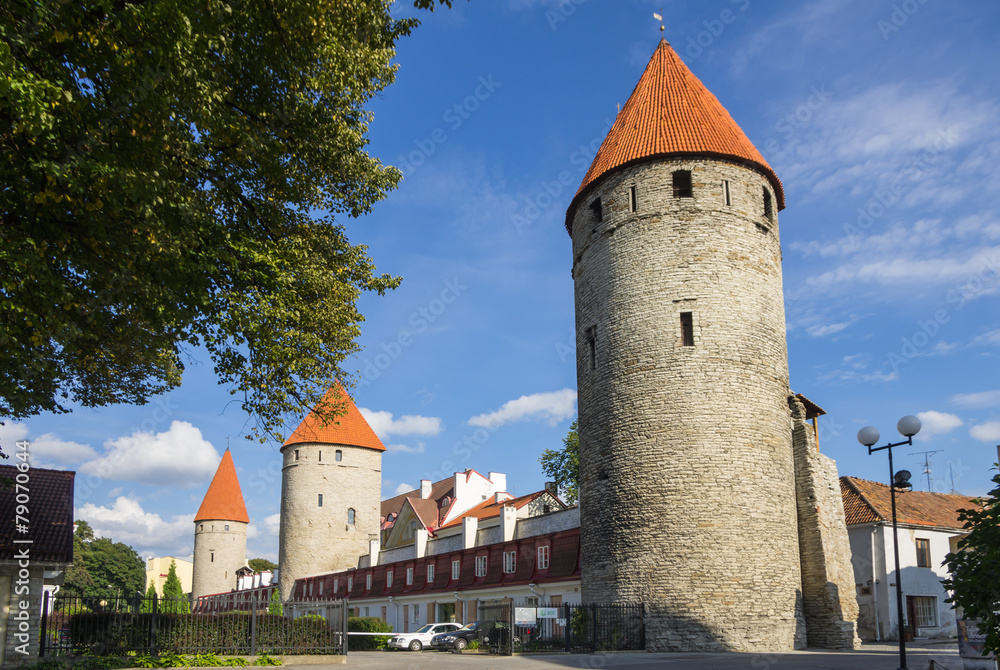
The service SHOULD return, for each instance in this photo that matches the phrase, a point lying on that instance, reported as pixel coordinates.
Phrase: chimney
(552, 488)
(508, 521)
(499, 480)
(470, 527)
(500, 497)
(425, 488)
(420, 542)
(373, 552)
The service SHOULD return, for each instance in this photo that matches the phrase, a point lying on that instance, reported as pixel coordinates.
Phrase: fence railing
(73, 625)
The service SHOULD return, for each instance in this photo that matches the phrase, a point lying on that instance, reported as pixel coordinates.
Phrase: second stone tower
(687, 475)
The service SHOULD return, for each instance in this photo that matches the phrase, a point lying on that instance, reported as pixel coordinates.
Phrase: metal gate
(497, 635)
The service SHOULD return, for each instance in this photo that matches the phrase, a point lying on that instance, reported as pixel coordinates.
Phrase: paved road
(873, 657)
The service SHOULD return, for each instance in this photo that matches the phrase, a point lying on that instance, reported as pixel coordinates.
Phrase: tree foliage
(274, 606)
(975, 567)
(261, 564)
(175, 175)
(563, 465)
(102, 568)
(174, 599)
(149, 599)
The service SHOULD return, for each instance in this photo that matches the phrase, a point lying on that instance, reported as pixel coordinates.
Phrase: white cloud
(403, 488)
(990, 338)
(987, 432)
(178, 457)
(50, 449)
(11, 433)
(126, 521)
(405, 449)
(552, 407)
(937, 423)
(821, 330)
(981, 399)
(384, 424)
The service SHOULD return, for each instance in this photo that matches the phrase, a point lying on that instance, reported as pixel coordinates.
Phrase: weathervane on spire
(659, 17)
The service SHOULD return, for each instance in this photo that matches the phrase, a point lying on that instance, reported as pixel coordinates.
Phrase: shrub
(367, 624)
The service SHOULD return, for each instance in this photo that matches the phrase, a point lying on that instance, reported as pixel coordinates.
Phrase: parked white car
(422, 638)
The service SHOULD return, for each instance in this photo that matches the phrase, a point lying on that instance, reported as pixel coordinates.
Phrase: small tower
(220, 533)
(331, 481)
(687, 478)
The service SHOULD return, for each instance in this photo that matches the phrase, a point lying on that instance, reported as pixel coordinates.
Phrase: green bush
(367, 624)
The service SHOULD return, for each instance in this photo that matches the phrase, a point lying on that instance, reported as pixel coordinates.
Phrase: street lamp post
(908, 426)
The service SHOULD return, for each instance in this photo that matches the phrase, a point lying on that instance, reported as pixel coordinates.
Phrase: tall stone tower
(220, 533)
(331, 481)
(687, 477)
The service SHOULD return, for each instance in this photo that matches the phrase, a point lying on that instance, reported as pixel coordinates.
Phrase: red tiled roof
(50, 521)
(671, 113)
(224, 499)
(870, 502)
(489, 508)
(349, 429)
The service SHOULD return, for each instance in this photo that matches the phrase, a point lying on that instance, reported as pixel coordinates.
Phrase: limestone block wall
(687, 476)
(220, 549)
(828, 598)
(316, 538)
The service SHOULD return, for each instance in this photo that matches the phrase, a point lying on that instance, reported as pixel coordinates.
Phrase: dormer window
(682, 184)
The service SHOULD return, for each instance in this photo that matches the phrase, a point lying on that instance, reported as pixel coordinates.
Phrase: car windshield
(471, 626)
(426, 628)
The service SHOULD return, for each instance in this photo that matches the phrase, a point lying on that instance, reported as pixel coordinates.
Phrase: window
(682, 184)
(211, 558)
(409, 576)
(592, 346)
(336, 584)
(924, 610)
(416, 613)
(726, 197)
(202, 527)
(296, 454)
(546, 509)
(430, 573)
(350, 516)
(368, 580)
(350, 583)
(321, 588)
(595, 208)
(687, 329)
(227, 526)
(310, 588)
(509, 561)
(543, 557)
(456, 567)
(388, 580)
(631, 199)
(480, 566)
(923, 553)
(768, 212)
(320, 499)
(320, 455)
(338, 455)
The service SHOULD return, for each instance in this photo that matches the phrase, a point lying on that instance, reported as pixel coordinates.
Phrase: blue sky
(882, 120)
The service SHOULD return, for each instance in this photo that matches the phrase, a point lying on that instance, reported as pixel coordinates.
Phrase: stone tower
(687, 477)
(220, 533)
(331, 481)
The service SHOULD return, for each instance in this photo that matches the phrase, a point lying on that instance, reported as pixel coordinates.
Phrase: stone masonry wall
(687, 476)
(315, 539)
(218, 554)
(829, 602)
(21, 635)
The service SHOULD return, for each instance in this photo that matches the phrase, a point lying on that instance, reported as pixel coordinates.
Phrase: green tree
(148, 599)
(975, 567)
(563, 465)
(175, 175)
(174, 599)
(275, 606)
(261, 564)
(103, 569)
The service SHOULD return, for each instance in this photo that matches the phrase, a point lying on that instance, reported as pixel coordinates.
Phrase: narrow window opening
(226, 527)
(687, 329)
(726, 197)
(368, 581)
(338, 455)
(682, 184)
(592, 347)
(631, 199)
(350, 516)
(320, 499)
(212, 557)
(296, 454)
(595, 207)
(768, 210)
(320, 456)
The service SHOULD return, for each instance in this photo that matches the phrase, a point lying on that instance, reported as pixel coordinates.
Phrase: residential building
(158, 567)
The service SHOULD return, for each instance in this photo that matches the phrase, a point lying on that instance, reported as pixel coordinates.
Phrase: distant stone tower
(331, 481)
(220, 533)
(687, 477)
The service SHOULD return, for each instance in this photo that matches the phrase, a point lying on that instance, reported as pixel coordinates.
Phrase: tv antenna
(927, 464)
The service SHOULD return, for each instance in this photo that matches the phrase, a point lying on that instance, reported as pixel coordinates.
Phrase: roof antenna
(659, 17)
(927, 464)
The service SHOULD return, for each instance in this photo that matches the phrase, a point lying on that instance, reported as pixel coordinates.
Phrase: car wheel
(416, 645)
(461, 643)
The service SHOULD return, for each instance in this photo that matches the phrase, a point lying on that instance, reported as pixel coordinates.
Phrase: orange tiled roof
(671, 113)
(489, 508)
(870, 502)
(349, 429)
(224, 499)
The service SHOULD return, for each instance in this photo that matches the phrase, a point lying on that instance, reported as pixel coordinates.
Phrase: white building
(928, 530)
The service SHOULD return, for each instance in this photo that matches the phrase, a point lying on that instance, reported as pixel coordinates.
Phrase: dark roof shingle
(50, 514)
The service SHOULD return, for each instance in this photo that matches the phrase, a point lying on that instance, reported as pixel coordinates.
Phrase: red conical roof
(671, 113)
(349, 429)
(224, 499)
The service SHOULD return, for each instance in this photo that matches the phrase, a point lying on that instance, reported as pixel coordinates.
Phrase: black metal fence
(79, 625)
(510, 627)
